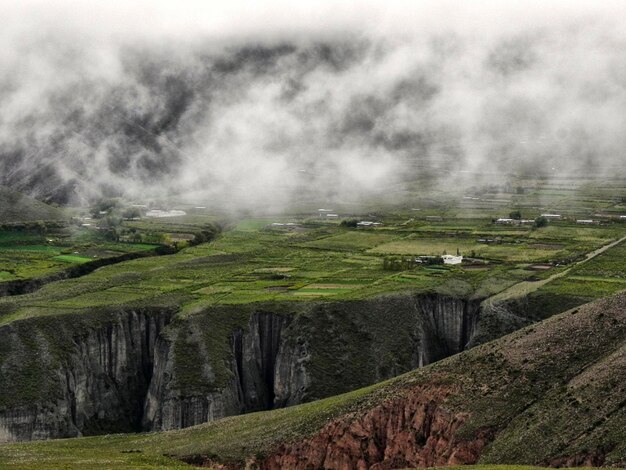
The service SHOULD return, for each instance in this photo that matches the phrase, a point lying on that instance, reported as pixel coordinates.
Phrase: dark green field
(27, 254)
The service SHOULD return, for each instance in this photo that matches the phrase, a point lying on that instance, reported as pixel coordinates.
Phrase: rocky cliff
(314, 351)
(149, 370)
(414, 431)
(62, 380)
(260, 367)
(551, 394)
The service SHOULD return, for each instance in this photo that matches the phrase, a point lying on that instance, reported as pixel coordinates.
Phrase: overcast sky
(255, 101)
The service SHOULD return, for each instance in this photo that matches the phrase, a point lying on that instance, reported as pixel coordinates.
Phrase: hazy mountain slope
(16, 208)
(552, 393)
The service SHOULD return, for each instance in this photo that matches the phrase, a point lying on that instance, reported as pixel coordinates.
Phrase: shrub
(541, 222)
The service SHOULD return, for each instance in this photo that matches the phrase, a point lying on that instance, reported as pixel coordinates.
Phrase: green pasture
(251, 261)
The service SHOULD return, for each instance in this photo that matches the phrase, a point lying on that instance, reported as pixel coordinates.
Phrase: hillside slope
(18, 208)
(552, 393)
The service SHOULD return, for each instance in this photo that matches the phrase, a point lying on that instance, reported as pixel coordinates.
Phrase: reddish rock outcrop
(414, 430)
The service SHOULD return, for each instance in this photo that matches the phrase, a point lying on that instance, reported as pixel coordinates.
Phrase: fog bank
(262, 103)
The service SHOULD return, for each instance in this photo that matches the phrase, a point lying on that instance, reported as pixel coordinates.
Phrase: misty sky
(261, 102)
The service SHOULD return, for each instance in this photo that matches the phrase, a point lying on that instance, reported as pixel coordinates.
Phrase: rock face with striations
(95, 385)
(147, 370)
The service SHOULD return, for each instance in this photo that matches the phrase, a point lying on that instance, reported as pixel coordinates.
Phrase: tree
(516, 215)
(541, 222)
(349, 223)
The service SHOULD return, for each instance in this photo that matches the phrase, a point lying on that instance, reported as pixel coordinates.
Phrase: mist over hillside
(256, 105)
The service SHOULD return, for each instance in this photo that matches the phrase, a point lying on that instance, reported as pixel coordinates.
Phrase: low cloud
(264, 103)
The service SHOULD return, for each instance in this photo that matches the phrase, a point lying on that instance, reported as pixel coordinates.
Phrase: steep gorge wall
(94, 384)
(146, 370)
(316, 351)
(501, 317)
(259, 366)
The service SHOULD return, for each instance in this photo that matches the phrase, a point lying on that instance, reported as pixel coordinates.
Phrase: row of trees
(539, 221)
(403, 264)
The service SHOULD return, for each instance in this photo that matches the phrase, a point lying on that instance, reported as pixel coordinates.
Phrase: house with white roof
(451, 259)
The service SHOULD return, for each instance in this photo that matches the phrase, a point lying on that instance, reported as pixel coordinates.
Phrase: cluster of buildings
(508, 221)
(327, 213)
(367, 223)
(447, 259)
(330, 214)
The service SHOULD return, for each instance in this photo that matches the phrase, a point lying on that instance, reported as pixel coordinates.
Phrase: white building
(451, 259)
(323, 212)
(551, 216)
(504, 221)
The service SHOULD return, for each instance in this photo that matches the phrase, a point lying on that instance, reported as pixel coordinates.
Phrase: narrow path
(526, 287)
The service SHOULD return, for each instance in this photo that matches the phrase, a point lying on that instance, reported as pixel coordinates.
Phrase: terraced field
(27, 254)
(257, 261)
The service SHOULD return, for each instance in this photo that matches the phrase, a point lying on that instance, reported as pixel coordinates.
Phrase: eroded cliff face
(447, 325)
(145, 371)
(316, 351)
(97, 386)
(411, 431)
(263, 371)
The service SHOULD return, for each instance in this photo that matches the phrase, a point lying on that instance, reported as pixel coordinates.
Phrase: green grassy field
(26, 254)
(255, 262)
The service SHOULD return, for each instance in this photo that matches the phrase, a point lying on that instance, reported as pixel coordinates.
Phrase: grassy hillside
(18, 208)
(550, 393)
